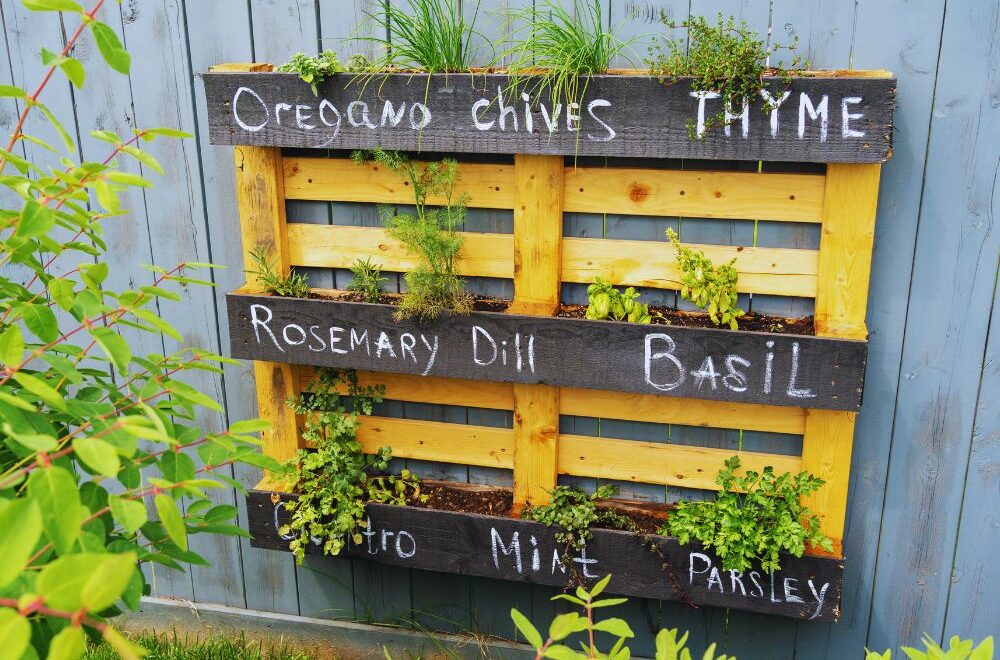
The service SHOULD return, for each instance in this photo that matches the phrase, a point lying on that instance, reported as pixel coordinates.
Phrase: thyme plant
(293, 285)
(710, 287)
(336, 478)
(753, 517)
(605, 301)
(430, 235)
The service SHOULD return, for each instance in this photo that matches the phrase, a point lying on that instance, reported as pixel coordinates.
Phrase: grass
(171, 647)
(428, 35)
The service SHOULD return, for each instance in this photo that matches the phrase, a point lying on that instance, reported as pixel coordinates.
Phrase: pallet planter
(809, 386)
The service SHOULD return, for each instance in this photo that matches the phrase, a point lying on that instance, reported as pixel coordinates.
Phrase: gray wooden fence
(924, 512)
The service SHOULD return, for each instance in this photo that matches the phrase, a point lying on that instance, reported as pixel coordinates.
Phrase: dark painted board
(789, 370)
(824, 119)
(525, 551)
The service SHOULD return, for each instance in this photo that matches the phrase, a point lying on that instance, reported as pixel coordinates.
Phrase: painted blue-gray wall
(924, 513)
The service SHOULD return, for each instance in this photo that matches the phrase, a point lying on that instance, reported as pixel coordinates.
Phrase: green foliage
(293, 285)
(712, 288)
(556, 646)
(336, 479)
(91, 432)
(430, 235)
(427, 35)
(753, 517)
(170, 646)
(567, 43)
(958, 649)
(313, 69)
(726, 58)
(575, 513)
(605, 301)
(367, 280)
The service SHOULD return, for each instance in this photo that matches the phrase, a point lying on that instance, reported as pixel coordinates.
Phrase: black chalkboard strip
(700, 363)
(807, 588)
(827, 118)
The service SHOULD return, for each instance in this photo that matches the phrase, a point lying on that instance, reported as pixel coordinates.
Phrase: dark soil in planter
(480, 303)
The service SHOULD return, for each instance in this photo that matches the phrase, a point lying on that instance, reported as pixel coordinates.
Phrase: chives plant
(428, 35)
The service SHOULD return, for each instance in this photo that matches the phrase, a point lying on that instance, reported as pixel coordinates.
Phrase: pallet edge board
(700, 363)
(809, 587)
(821, 118)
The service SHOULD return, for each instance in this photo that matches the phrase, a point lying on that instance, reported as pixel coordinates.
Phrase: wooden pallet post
(538, 228)
(848, 234)
(261, 200)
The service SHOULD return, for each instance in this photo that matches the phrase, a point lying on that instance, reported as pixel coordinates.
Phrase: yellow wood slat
(846, 250)
(656, 463)
(689, 412)
(330, 246)
(240, 67)
(536, 443)
(341, 180)
(826, 453)
(749, 195)
(439, 441)
(776, 271)
(538, 229)
(437, 390)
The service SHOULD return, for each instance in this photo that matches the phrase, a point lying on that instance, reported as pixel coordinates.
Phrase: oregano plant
(93, 436)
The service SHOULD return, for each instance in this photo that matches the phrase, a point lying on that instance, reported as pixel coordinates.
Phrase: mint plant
(93, 437)
(575, 513)
(710, 287)
(607, 302)
(753, 517)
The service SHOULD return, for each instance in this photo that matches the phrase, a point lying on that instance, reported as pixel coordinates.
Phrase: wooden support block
(536, 443)
(826, 453)
(261, 201)
(538, 228)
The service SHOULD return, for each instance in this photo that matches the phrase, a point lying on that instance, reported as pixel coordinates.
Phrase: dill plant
(427, 35)
(430, 235)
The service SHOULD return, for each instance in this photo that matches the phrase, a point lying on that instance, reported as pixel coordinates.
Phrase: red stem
(36, 607)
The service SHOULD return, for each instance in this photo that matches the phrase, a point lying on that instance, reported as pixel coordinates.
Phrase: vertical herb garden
(427, 143)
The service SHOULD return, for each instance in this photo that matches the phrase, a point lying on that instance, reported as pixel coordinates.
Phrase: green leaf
(56, 124)
(33, 441)
(128, 179)
(144, 158)
(177, 466)
(560, 652)
(36, 220)
(161, 293)
(172, 520)
(17, 546)
(12, 91)
(73, 70)
(116, 348)
(600, 586)
(62, 581)
(21, 404)
(15, 633)
(108, 581)
(62, 293)
(531, 634)
(98, 455)
(41, 321)
(563, 625)
(106, 197)
(190, 394)
(53, 489)
(41, 389)
(111, 47)
(52, 5)
(11, 346)
(249, 426)
(69, 643)
(125, 649)
(167, 132)
(130, 514)
(608, 602)
(615, 626)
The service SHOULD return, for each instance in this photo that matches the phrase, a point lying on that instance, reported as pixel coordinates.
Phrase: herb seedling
(367, 280)
(576, 512)
(338, 478)
(313, 69)
(726, 59)
(605, 301)
(427, 35)
(753, 517)
(293, 285)
(430, 235)
(710, 287)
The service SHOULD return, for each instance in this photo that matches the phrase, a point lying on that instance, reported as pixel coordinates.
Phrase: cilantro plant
(605, 301)
(576, 513)
(336, 478)
(293, 285)
(98, 445)
(313, 69)
(710, 287)
(430, 235)
(668, 646)
(752, 518)
(727, 60)
(367, 280)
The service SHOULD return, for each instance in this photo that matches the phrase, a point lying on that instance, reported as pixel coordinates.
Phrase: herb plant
(727, 59)
(607, 302)
(668, 646)
(710, 287)
(427, 35)
(106, 455)
(753, 517)
(367, 280)
(337, 478)
(313, 69)
(293, 285)
(430, 235)
(576, 513)
(958, 649)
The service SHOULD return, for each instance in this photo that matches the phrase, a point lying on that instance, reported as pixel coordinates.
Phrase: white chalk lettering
(298, 329)
(735, 577)
(820, 111)
(846, 116)
(551, 123)
(478, 332)
(476, 121)
(715, 578)
(702, 97)
(322, 344)
(793, 391)
(790, 591)
(601, 103)
(529, 121)
(425, 116)
(357, 339)
(572, 118)
(236, 115)
(301, 118)
(768, 368)
(278, 107)
(389, 114)
(399, 545)
(706, 372)
(774, 104)
(505, 111)
(735, 379)
(365, 121)
(691, 572)
(515, 548)
(743, 116)
(820, 597)
(406, 344)
(325, 105)
(584, 563)
(383, 344)
(257, 323)
(668, 354)
(434, 352)
(335, 338)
